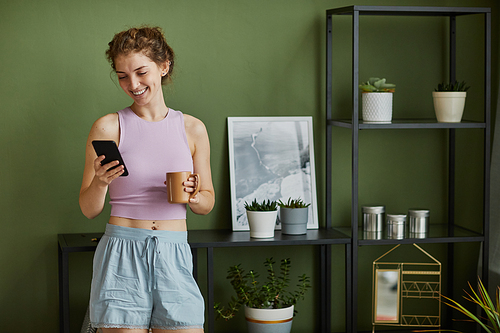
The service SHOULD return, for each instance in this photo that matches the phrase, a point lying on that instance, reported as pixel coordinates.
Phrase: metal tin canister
(419, 221)
(396, 226)
(372, 235)
(373, 218)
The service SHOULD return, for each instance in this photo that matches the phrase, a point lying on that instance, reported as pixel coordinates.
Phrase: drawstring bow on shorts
(151, 259)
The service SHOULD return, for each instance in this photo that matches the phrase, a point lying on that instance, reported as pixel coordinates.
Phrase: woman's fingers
(108, 172)
(190, 185)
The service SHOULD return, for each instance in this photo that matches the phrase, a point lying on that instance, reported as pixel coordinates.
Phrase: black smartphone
(109, 149)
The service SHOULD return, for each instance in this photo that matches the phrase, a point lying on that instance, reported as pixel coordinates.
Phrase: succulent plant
(293, 203)
(452, 86)
(375, 84)
(259, 207)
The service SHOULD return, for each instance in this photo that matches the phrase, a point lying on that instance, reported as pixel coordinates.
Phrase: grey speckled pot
(294, 220)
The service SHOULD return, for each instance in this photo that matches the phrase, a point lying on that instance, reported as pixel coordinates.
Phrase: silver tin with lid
(418, 221)
(373, 218)
(396, 226)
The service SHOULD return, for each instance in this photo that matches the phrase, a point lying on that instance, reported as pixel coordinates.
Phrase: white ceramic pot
(377, 106)
(262, 224)
(269, 320)
(449, 105)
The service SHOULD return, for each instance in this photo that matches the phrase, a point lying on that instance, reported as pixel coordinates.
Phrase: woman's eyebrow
(135, 70)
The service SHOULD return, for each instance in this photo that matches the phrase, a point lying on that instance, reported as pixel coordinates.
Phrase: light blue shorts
(143, 279)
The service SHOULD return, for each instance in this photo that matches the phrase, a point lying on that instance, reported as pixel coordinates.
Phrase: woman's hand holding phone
(109, 163)
(108, 172)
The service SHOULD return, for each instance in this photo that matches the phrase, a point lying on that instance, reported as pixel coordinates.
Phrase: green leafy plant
(452, 86)
(491, 323)
(293, 203)
(271, 295)
(375, 84)
(265, 206)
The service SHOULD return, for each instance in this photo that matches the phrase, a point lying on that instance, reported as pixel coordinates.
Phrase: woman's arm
(197, 135)
(96, 178)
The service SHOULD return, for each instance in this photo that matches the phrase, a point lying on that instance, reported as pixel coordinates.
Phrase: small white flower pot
(449, 105)
(269, 320)
(262, 224)
(377, 106)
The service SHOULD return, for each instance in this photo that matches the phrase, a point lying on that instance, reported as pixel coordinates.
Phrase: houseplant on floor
(293, 216)
(261, 218)
(377, 100)
(491, 322)
(268, 307)
(449, 101)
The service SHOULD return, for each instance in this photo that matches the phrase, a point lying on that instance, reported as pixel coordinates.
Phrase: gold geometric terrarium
(406, 293)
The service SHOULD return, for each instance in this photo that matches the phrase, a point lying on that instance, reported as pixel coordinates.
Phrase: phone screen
(109, 149)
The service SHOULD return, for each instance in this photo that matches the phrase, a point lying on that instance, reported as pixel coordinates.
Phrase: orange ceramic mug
(175, 189)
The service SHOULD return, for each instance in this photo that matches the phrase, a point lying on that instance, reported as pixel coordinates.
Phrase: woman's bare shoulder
(106, 127)
(194, 125)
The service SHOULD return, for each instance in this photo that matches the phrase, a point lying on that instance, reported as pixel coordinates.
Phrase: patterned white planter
(449, 105)
(377, 106)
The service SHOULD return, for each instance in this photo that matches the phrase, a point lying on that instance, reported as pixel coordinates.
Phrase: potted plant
(268, 307)
(377, 100)
(262, 218)
(293, 216)
(449, 101)
(490, 322)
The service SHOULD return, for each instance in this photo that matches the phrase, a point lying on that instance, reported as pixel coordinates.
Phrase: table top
(81, 242)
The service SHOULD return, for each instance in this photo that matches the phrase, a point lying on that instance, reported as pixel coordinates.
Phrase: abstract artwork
(271, 158)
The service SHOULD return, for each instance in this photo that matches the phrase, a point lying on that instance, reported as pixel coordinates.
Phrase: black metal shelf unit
(448, 233)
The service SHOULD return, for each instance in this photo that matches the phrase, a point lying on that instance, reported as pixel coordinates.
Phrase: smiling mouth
(140, 92)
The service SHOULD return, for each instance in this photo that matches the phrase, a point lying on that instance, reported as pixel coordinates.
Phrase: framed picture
(271, 158)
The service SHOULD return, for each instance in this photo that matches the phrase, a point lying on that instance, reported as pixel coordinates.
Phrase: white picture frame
(271, 158)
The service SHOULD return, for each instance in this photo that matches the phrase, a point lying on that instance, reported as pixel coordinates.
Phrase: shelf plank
(228, 238)
(438, 233)
(408, 10)
(81, 242)
(407, 124)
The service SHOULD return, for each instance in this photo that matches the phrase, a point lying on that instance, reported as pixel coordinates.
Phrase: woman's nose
(134, 82)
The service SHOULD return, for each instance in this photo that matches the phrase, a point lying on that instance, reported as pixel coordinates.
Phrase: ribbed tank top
(149, 150)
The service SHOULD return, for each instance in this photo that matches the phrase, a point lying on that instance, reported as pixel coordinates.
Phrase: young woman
(142, 274)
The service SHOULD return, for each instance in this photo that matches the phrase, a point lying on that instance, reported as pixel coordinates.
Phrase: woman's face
(140, 77)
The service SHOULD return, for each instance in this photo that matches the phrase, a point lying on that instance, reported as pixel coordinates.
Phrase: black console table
(211, 239)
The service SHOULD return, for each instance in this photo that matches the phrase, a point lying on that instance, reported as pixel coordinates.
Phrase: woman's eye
(122, 77)
(143, 73)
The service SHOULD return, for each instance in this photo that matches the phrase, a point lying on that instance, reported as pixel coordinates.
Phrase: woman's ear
(165, 68)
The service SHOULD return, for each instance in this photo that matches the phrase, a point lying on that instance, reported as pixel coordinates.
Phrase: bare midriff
(171, 225)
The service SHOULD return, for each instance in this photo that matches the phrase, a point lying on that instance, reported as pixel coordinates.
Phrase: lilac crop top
(149, 150)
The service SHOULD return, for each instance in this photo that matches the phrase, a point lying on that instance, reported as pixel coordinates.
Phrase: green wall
(234, 58)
